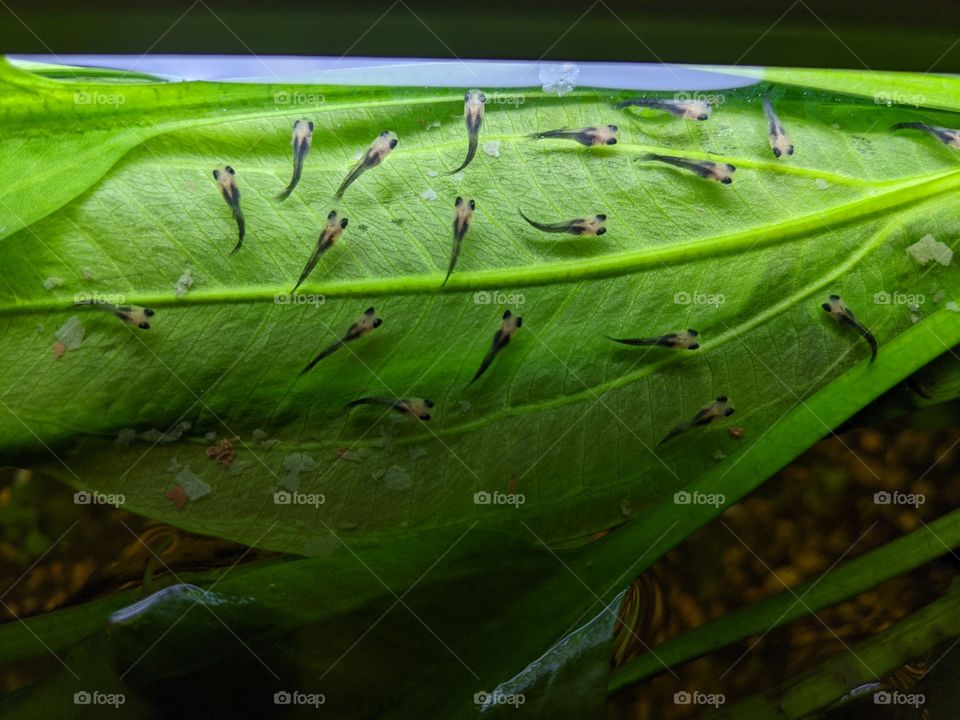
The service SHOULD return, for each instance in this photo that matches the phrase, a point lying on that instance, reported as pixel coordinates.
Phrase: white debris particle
(492, 148)
(929, 248)
(458, 177)
(835, 126)
(294, 464)
(822, 184)
(184, 283)
(626, 507)
(264, 440)
(192, 485)
(386, 440)
(914, 319)
(429, 194)
(939, 295)
(465, 406)
(126, 436)
(417, 452)
(952, 306)
(70, 334)
(397, 478)
(169, 436)
(719, 455)
(559, 78)
(434, 124)
(210, 436)
(432, 173)
(87, 274)
(358, 155)
(52, 282)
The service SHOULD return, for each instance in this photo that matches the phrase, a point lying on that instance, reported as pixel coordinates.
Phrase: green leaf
(565, 418)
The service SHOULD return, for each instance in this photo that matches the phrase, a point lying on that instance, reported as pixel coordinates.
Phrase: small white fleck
(70, 334)
(458, 177)
(626, 507)
(822, 184)
(465, 406)
(126, 436)
(835, 126)
(238, 467)
(194, 486)
(429, 194)
(559, 78)
(432, 173)
(52, 282)
(914, 318)
(434, 124)
(294, 464)
(417, 452)
(210, 436)
(719, 455)
(939, 295)
(929, 248)
(952, 306)
(397, 478)
(184, 283)
(492, 148)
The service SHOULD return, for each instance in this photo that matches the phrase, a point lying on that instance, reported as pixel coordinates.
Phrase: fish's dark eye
(726, 181)
(343, 223)
(691, 332)
(601, 231)
(216, 174)
(729, 412)
(612, 141)
(693, 346)
(466, 96)
(835, 298)
(310, 125)
(428, 403)
(826, 306)
(377, 323)
(230, 170)
(148, 312)
(369, 311)
(702, 116)
(507, 314)
(722, 399)
(425, 416)
(144, 326)
(483, 98)
(384, 133)
(776, 152)
(519, 321)
(331, 215)
(601, 217)
(790, 150)
(473, 205)
(393, 143)
(458, 201)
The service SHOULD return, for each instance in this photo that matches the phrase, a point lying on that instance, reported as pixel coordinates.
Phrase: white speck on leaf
(168, 436)
(929, 248)
(192, 485)
(465, 406)
(52, 282)
(432, 173)
(184, 283)
(126, 436)
(492, 148)
(429, 194)
(952, 306)
(822, 184)
(417, 452)
(458, 177)
(70, 334)
(559, 78)
(397, 478)
(294, 464)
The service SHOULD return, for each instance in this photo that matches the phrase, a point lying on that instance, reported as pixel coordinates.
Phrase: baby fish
(689, 109)
(331, 233)
(461, 223)
(501, 338)
(945, 135)
(720, 172)
(779, 142)
(415, 407)
(685, 340)
(130, 314)
(302, 137)
(228, 188)
(842, 314)
(473, 108)
(719, 408)
(376, 154)
(581, 226)
(604, 135)
(367, 322)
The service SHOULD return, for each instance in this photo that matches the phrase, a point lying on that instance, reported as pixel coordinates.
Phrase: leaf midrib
(613, 265)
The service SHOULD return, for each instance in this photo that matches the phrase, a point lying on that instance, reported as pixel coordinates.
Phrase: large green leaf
(564, 417)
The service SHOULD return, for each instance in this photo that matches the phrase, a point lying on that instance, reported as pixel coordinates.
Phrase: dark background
(881, 34)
